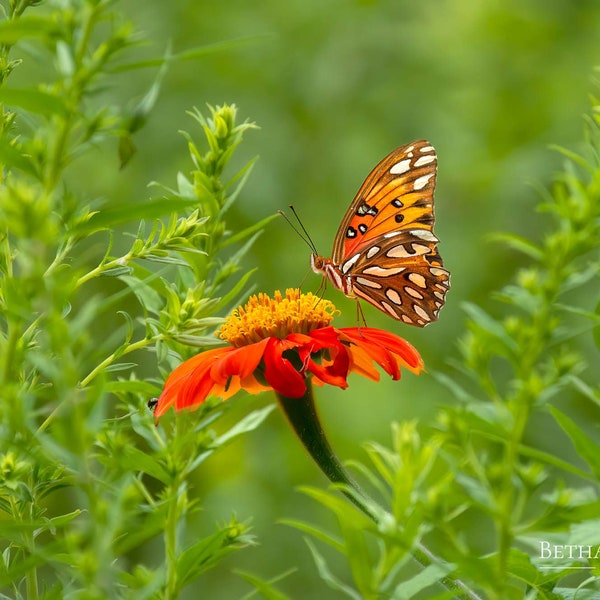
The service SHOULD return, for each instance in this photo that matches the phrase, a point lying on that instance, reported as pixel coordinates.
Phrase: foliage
(86, 482)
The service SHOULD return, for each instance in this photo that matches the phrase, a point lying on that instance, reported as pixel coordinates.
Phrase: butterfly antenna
(301, 230)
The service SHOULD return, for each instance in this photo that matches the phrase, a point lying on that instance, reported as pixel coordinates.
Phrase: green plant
(86, 479)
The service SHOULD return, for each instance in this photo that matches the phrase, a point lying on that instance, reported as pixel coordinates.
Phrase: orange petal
(362, 363)
(388, 350)
(241, 362)
(190, 382)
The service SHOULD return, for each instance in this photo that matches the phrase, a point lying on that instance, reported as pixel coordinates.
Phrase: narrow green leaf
(207, 552)
(586, 447)
(126, 149)
(11, 158)
(266, 588)
(585, 389)
(248, 423)
(339, 506)
(148, 298)
(132, 386)
(198, 341)
(429, 576)
(315, 532)
(490, 325)
(191, 54)
(235, 292)
(328, 577)
(519, 243)
(110, 216)
(136, 461)
(153, 524)
(34, 101)
(250, 230)
(13, 31)
(359, 557)
(115, 368)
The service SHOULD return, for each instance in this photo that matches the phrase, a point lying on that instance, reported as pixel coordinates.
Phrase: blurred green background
(334, 87)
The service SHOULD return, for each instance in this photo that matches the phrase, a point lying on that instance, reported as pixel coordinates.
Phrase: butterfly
(385, 250)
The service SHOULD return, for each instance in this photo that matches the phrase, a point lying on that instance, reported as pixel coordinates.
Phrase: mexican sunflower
(280, 344)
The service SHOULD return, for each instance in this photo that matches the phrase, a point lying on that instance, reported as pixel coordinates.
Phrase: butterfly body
(385, 250)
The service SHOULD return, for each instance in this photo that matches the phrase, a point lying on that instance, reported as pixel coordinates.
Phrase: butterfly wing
(385, 243)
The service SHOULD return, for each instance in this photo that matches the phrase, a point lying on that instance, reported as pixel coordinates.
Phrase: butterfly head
(317, 263)
(327, 268)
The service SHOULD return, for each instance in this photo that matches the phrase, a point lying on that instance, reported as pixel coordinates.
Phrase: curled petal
(234, 384)
(383, 357)
(408, 354)
(362, 363)
(279, 371)
(386, 349)
(240, 362)
(333, 372)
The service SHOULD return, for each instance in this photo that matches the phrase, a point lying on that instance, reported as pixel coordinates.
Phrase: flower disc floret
(263, 317)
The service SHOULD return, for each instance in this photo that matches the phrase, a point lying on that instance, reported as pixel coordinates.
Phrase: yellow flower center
(264, 317)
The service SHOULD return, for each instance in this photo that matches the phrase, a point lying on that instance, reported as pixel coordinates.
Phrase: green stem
(96, 371)
(304, 419)
(302, 415)
(170, 536)
(114, 356)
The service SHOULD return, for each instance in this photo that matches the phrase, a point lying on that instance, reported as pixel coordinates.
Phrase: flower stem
(304, 419)
(302, 415)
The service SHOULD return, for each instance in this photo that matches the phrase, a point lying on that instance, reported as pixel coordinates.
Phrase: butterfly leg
(321, 290)
(360, 315)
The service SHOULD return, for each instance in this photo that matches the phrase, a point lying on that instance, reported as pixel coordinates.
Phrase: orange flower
(276, 344)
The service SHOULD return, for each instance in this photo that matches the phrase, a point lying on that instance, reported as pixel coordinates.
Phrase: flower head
(276, 344)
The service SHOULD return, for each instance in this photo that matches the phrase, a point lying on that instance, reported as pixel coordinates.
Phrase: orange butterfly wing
(385, 244)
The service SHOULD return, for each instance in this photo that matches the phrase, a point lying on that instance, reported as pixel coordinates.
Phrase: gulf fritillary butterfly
(385, 251)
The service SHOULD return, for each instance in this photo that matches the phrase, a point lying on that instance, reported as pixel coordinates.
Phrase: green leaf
(328, 577)
(586, 390)
(207, 552)
(490, 325)
(315, 532)
(34, 101)
(126, 149)
(190, 54)
(519, 243)
(153, 524)
(144, 107)
(11, 157)
(586, 447)
(266, 588)
(110, 216)
(359, 557)
(116, 367)
(339, 506)
(429, 576)
(13, 31)
(248, 423)
(149, 299)
(136, 461)
(236, 291)
(250, 230)
(455, 388)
